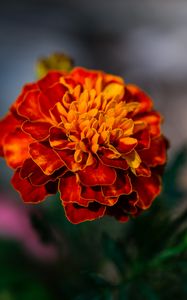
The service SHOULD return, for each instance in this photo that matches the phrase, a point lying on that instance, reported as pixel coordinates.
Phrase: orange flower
(89, 136)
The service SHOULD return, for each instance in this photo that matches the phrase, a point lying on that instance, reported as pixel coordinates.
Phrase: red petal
(50, 97)
(70, 190)
(112, 162)
(135, 94)
(156, 154)
(126, 144)
(67, 157)
(147, 188)
(153, 119)
(16, 147)
(58, 139)
(29, 193)
(143, 137)
(122, 185)
(79, 75)
(98, 174)
(26, 89)
(30, 108)
(7, 125)
(38, 130)
(94, 193)
(48, 80)
(46, 158)
(143, 170)
(77, 214)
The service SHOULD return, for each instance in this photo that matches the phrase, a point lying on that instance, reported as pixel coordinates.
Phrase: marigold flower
(89, 136)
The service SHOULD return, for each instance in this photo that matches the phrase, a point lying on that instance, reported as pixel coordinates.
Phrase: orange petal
(46, 158)
(153, 119)
(58, 139)
(30, 108)
(67, 156)
(80, 74)
(29, 193)
(94, 193)
(112, 162)
(126, 144)
(147, 188)
(37, 130)
(122, 185)
(156, 154)
(98, 174)
(70, 190)
(77, 214)
(142, 170)
(16, 147)
(7, 125)
(135, 94)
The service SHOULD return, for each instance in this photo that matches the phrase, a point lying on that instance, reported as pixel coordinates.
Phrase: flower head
(89, 136)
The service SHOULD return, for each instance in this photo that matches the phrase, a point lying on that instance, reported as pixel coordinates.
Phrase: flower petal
(7, 124)
(37, 130)
(94, 193)
(77, 214)
(67, 156)
(135, 94)
(58, 139)
(46, 158)
(153, 119)
(29, 193)
(147, 188)
(48, 80)
(70, 190)
(126, 144)
(122, 185)
(98, 174)
(16, 147)
(156, 154)
(30, 108)
(143, 138)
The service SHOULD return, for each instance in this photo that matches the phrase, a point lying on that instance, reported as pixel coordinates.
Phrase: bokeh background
(41, 255)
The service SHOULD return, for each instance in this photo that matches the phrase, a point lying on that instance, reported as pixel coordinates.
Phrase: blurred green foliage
(144, 259)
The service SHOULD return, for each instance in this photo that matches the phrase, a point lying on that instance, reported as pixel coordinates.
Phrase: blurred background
(42, 256)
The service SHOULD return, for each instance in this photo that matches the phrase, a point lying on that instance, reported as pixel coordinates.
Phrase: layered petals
(89, 136)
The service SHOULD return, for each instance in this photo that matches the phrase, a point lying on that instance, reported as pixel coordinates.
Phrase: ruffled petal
(47, 81)
(7, 125)
(45, 157)
(77, 214)
(143, 138)
(147, 188)
(153, 119)
(58, 139)
(94, 193)
(126, 144)
(122, 185)
(30, 108)
(156, 154)
(29, 193)
(16, 147)
(70, 190)
(135, 94)
(37, 130)
(67, 156)
(98, 174)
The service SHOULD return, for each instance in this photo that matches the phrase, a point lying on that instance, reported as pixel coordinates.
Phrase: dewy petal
(45, 157)
(29, 193)
(7, 125)
(77, 214)
(70, 190)
(37, 130)
(30, 108)
(156, 154)
(16, 147)
(122, 185)
(147, 188)
(98, 174)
